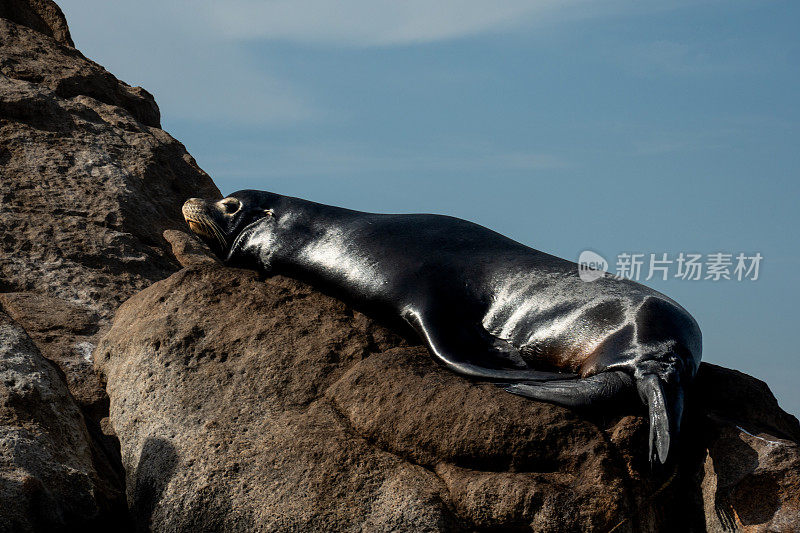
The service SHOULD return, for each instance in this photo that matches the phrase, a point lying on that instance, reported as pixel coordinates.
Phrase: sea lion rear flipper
(665, 412)
(466, 352)
(581, 392)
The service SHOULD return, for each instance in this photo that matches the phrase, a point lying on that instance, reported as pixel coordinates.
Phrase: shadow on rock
(156, 466)
(741, 491)
(750, 471)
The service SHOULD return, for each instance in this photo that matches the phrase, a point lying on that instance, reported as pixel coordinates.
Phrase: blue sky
(651, 127)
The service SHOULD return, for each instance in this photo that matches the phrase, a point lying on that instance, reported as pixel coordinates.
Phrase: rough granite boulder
(262, 404)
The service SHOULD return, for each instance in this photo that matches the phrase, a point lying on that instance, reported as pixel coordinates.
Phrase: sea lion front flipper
(580, 392)
(466, 352)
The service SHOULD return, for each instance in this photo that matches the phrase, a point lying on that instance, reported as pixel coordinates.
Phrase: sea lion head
(219, 223)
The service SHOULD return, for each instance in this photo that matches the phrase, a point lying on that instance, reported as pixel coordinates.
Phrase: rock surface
(89, 185)
(752, 462)
(263, 404)
(51, 478)
(43, 16)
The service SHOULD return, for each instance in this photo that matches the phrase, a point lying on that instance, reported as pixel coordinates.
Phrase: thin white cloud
(191, 56)
(671, 58)
(193, 72)
(364, 23)
(216, 83)
(388, 22)
(657, 143)
(343, 158)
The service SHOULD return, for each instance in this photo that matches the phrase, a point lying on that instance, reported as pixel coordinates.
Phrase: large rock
(51, 477)
(89, 185)
(43, 16)
(249, 403)
(752, 460)
(90, 191)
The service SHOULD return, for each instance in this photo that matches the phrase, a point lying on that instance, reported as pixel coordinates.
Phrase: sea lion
(486, 306)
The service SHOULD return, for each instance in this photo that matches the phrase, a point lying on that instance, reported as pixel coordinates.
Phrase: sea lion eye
(230, 205)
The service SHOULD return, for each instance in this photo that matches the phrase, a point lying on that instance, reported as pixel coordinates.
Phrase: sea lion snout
(193, 211)
(192, 208)
(199, 215)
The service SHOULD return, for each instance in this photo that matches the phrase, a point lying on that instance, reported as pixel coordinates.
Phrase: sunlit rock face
(264, 403)
(89, 185)
(243, 403)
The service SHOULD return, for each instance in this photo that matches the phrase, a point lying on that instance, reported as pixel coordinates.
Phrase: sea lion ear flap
(665, 412)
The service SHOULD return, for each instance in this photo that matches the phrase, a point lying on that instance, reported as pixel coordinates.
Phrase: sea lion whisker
(197, 226)
(205, 226)
(216, 230)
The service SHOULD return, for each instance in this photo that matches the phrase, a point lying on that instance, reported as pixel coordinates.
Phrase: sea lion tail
(581, 392)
